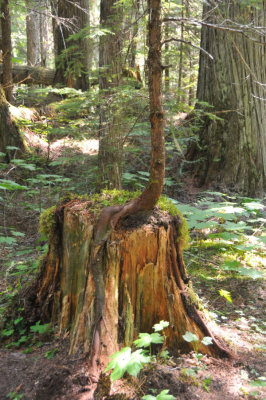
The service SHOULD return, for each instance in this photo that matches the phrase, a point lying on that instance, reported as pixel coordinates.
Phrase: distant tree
(110, 157)
(33, 32)
(72, 54)
(231, 150)
(44, 32)
(6, 50)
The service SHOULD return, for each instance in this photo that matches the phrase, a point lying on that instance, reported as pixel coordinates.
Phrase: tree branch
(189, 43)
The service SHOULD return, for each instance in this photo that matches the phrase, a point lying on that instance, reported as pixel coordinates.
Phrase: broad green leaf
(231, 226)
(190, 337)
(136, 362)
(165, 396)
(225, 235)
(207, 225)
(207, 340)
(260, 382)
(231, 265)
(162, 396)
(251, 272)
(160, 326)
(118, 363)
(254, 206)
(262, 239)
(146, 339)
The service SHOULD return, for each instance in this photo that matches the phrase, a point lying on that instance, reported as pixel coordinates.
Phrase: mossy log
(144, 280)
(31, 75)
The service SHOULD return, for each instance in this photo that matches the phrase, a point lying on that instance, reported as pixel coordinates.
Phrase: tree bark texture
(44, 33)
(233, 150)
(72, 56)
(9, 132)
(110, 157)
(143, 281)
(6, 50)
(33, 33)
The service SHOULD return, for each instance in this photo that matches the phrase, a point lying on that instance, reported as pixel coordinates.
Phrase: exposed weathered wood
(143, 281)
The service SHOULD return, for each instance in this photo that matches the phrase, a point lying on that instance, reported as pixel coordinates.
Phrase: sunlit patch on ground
(58, 147)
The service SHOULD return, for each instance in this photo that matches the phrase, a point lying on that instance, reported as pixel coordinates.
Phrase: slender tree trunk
(44, 33)
(181, 56)
(133, 34)
(72, 56)
(233, 150)
(33, 32)
(166, 60)
(110, 158)
(6, 50)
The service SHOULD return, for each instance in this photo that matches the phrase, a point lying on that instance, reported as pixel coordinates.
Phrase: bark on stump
(143, 277)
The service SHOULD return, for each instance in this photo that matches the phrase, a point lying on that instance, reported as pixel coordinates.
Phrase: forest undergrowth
(225, 260)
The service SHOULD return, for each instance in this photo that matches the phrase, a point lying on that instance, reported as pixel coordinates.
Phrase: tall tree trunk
(6, 50)
(33, 32)
(232, 151)
(9, 132)
(110, 158)
(133, 30)
(181, 57)
(44, 33)
(166, 59)
(72, 56)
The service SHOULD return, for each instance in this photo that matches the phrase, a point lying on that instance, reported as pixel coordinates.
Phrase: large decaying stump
(144, 280)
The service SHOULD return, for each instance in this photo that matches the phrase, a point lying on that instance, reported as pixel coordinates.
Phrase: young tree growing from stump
(108, 280)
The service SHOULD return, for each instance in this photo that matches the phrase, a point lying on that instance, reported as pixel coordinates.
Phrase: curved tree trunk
(233, 150)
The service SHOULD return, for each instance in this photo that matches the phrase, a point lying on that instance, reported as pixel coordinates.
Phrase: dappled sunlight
(58, 147)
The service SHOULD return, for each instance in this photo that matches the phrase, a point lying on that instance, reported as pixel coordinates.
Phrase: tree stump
(144, 280)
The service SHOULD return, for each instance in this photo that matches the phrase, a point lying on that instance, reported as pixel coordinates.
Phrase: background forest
(74, 120)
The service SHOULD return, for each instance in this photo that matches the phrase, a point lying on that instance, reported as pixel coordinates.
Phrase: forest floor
(41, 368)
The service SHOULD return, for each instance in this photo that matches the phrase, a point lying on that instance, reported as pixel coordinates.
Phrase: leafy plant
(132, 362)
(15, 396)
(192, 338)
(51, 353)
(162, 396)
